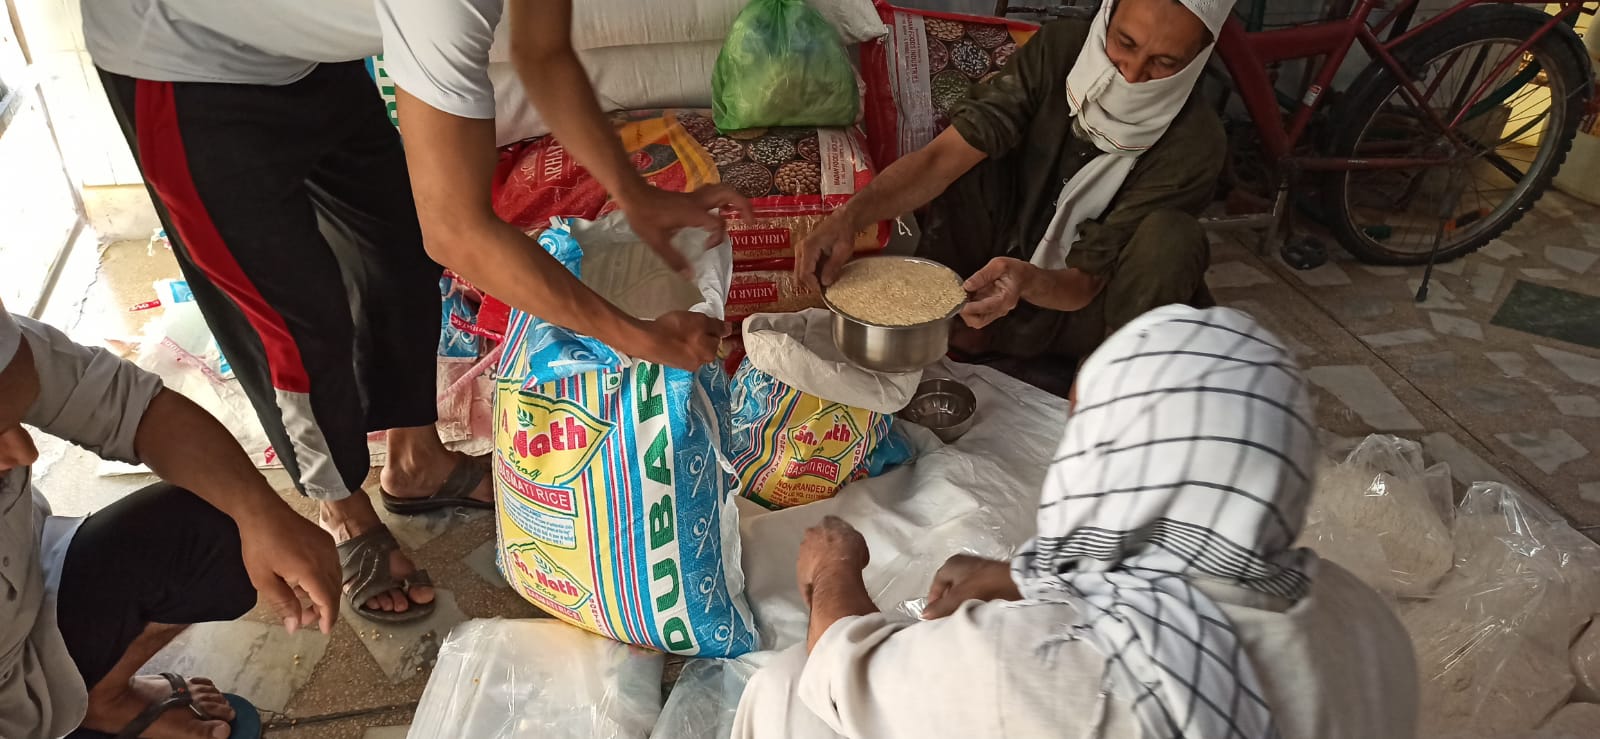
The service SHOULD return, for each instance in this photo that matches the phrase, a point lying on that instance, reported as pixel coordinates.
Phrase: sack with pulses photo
(794, 177)
(804, 422)
(615, 509)
(929, 62)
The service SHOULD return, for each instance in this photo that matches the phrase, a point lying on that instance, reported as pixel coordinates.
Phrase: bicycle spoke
(1498, 145)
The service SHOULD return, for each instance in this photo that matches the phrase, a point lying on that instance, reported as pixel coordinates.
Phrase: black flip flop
(456, 492)
(246, 723)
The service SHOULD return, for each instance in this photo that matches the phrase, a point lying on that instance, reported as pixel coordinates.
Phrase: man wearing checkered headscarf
(1162, 597)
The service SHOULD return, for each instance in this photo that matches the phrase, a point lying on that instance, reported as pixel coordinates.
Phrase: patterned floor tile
(1360, 390)
(482, 562)
(1437, 364)
(1452, 325)
(1551, 312)
(1511, 364)
(386, 732)
(1465, 465)
(1576, 366)
(1577, 406)
(1397, 338)
(1484, 285)
(1439, 296)
(405, 650)
(1547, 450)
(1500, 249)
(1544, 274)
(259, 661)
(1575, 260)
(1235, 274)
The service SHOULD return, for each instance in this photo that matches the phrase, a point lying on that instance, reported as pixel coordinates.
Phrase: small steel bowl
(882, 348)
(943, 406)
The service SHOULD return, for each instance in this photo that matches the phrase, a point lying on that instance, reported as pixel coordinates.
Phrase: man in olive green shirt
(994, 177)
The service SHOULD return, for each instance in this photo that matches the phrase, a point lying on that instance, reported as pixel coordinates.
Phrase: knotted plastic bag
(783, 65)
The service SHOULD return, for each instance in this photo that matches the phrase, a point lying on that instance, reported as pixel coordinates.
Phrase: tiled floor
(1494, 402)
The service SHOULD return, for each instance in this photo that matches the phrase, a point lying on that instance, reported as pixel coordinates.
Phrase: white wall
(93, 145)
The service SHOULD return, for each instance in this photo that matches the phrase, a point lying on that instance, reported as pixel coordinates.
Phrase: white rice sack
(1500, 532)
(1573, 721)
(1585, 656)
(1481, 673)
(1378, 514)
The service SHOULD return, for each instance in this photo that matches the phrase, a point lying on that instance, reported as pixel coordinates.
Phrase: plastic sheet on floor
(538, 679)
(706, 697)
(1496, 626)
(976, 496)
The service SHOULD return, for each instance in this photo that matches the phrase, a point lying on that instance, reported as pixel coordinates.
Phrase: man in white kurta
(1163, 595)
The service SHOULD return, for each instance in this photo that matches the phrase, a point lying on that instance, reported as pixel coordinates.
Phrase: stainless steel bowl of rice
(892, 313)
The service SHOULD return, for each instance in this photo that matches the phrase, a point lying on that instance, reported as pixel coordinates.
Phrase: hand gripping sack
(803, 421)
(614, 508)
(783, 65)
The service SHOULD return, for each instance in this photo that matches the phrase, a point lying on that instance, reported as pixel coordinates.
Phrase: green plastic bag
(783, 65)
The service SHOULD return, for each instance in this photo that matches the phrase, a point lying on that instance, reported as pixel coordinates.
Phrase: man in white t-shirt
(284, 189)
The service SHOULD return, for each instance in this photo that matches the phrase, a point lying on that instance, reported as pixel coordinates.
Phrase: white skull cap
(1213, 13)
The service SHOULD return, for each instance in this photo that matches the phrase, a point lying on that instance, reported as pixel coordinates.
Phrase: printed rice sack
(457, 315)
(803, 421)
(614, 507)
(600, 24)
(927, 64)
(794, 177)
(768, 291)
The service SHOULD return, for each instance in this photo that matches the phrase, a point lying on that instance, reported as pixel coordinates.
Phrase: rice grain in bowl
(896, 291)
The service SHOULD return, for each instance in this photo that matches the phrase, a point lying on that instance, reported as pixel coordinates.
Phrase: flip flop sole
(246, 723)
(415, 506)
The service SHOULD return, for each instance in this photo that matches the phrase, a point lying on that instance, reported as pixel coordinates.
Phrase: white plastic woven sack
(624, 78)
(538, 679)
(598, 24)
(797, 349)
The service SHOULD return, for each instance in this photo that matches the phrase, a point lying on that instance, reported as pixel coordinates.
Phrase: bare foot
(345, 520)
(418, 463)
(109, 712)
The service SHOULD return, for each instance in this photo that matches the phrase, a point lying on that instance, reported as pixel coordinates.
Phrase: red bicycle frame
(1247, 56)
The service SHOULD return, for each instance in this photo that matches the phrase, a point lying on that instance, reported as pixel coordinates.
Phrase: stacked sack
(653, 65)
(928, 63)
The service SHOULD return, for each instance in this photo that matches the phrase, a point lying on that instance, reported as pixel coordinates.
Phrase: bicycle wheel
(1512, 141)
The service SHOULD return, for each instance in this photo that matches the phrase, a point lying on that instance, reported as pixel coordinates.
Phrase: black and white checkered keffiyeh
(1189, 455)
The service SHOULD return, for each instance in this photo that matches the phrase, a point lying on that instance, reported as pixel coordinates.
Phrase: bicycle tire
(1376, 85)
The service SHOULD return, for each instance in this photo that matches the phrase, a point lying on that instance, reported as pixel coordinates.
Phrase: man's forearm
(1067, 289)
(835, 596)
(452, 161)
(508, 264)
(911, 182)
(183, 445)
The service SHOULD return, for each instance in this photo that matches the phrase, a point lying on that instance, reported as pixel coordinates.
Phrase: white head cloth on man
(1189, 457)
(1122, 119)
